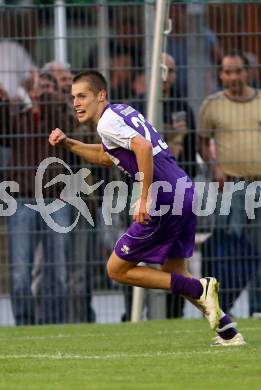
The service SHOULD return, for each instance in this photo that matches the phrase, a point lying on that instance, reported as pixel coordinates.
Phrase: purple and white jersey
(119, 123)
(165, 235)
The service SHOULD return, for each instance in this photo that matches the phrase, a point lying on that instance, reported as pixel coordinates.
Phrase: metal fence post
(60, 32)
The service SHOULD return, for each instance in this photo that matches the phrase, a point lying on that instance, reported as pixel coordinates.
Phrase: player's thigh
(116, 265)
(179, 266)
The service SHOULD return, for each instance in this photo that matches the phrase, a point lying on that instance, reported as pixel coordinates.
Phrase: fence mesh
(48, 277)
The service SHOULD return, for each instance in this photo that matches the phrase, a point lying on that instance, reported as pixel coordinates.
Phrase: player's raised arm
(93, 153)
(143, 152)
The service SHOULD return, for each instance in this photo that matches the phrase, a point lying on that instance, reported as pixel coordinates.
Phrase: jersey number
(141, 121)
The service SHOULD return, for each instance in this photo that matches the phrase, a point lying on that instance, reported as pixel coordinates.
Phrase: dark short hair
(237, 53)
(95, 79)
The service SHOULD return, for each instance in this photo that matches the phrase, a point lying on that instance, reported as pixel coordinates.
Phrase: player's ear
(102, 96)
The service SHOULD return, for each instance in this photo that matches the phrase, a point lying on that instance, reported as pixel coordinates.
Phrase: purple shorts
(168, 236)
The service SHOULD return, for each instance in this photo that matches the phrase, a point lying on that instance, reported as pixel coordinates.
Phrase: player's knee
(113, 272)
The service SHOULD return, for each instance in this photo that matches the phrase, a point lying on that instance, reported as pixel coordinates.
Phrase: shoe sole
(227, 345)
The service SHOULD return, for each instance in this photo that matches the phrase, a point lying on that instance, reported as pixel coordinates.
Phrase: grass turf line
(171, 354)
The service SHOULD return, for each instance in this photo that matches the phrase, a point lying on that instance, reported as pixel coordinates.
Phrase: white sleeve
(114, 132)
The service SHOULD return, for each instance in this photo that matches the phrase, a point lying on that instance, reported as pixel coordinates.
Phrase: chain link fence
(47, 277)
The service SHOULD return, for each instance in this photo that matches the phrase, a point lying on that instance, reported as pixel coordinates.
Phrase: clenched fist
(57, 137)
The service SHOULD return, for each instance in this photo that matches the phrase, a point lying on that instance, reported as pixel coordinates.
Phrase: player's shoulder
(115, 112)
(109, 118)
(115, 118)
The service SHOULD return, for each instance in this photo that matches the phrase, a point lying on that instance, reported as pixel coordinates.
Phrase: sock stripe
(226, 327)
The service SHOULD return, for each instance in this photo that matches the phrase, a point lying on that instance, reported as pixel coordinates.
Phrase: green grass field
(150, 355)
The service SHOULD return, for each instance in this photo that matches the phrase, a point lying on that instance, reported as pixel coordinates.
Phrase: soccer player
(129, 141)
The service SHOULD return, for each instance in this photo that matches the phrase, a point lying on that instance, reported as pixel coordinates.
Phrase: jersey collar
(105, 108)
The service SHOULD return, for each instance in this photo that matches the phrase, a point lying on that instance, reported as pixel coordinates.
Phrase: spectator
(15, 65)
(127, 40)
(34, 86)
(177, 47)
(139, 92)
(121, 77)
(178, 119)
(253, 70)
(26, 228)
(62, 73)
(231, 118)
(47, 83)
